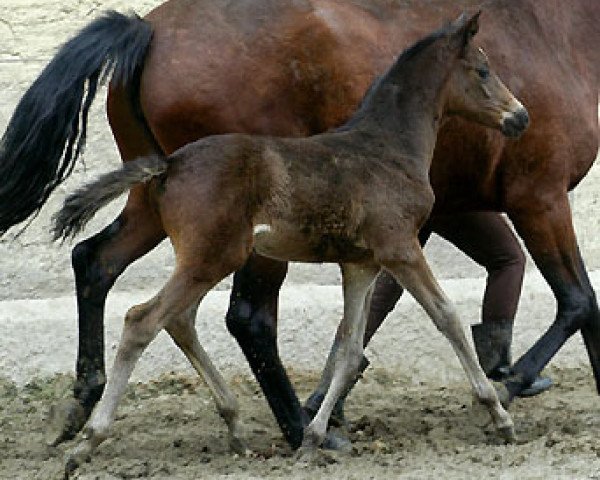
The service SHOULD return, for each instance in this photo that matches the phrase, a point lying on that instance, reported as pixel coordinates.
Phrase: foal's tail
(81, 206)
(47, 131)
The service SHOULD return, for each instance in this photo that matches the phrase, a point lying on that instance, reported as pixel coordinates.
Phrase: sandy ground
(411, 415)
(168, 429)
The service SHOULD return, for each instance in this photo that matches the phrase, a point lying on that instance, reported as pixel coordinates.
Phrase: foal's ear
(467, 26)
(472, 26)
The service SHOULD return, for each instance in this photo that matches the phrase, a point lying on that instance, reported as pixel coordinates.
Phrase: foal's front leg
(413, 273)
(357, 282)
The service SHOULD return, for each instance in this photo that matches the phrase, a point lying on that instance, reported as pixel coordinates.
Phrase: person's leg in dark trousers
(486, 238)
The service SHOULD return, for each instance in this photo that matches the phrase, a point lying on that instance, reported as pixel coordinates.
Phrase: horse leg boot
(357, 282)
(183, 333)
(414, 274)
(492, 342)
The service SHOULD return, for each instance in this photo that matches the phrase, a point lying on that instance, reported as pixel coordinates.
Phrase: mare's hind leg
(414, 274)
(357, 281)
(183, 333)
(547, 229)
(252, 320)
(142, 324)
(97, 263)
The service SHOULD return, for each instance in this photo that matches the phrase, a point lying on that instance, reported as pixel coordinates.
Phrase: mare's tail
(47, 131)
(81, 206)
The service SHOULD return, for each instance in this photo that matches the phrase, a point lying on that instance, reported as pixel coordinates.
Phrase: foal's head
(475, 92)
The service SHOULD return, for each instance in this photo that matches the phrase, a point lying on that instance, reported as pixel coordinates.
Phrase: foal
(356, 196)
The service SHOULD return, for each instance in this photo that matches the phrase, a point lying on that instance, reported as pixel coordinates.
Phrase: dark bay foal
(356, 196)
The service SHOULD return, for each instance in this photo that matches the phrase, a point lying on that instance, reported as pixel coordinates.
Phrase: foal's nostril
(514, 125)
(523, 117)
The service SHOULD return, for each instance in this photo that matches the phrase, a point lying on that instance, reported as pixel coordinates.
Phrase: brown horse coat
(356, 196)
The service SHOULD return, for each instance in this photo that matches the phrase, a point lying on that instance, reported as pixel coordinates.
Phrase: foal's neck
(405, 107)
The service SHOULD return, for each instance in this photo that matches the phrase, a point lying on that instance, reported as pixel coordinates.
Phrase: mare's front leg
(546, 227)
(411, 270)
(358, 281)
(97, 263)
(252, 320)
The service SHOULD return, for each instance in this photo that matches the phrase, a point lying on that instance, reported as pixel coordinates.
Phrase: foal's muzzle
(515, 123)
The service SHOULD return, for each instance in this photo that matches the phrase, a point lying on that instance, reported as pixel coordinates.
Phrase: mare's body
(299, 67)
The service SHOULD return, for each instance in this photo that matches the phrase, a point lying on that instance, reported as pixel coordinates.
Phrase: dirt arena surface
(168, 429)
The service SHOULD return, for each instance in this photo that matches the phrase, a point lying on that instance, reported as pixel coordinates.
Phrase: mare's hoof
(70, 468)
(65, 419)
(336, 441)
(539, 385)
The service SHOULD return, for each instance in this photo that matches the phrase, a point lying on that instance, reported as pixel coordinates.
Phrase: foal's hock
(356, 196)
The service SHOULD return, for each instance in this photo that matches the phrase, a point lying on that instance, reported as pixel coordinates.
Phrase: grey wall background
(37, 308)
(30, 32)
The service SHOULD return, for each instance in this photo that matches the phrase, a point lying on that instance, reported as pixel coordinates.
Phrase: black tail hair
(47, 131)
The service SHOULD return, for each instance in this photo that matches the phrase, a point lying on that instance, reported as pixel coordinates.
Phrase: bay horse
(181, 74)
(356, 196)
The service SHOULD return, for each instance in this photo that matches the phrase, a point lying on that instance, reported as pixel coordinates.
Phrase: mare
(298, 67)
(356, 196)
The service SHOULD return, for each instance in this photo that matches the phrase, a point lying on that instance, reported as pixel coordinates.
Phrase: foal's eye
(483, 73)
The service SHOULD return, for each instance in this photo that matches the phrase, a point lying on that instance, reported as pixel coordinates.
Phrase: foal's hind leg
(414, 274)
(183, 333)
(97, 263)
(142, 324)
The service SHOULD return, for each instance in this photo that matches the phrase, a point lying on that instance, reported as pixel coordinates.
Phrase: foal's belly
(297, 246)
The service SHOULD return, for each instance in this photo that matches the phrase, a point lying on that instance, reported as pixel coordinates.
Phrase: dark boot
(492, 343)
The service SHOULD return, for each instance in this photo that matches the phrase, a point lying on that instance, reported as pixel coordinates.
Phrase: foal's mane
(408, 54)
(420, 45)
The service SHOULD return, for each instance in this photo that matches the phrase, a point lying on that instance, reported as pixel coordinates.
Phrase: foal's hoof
(239, 446)
(336, 441)
(65, 419)
(508, 434)
(73, 462)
